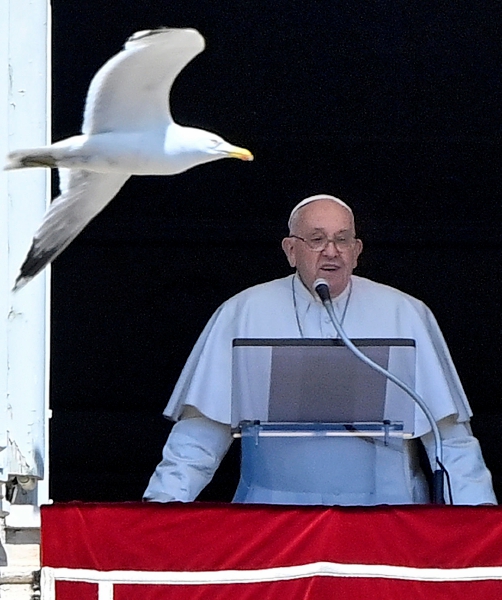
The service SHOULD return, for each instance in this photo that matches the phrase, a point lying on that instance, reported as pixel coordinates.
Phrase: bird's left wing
(83, 195)
(131, 91)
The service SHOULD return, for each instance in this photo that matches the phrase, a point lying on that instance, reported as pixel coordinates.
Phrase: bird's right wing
(131, 91)
(83, 195)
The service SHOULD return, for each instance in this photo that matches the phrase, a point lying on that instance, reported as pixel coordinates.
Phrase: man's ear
(288, 245)
(358, 250)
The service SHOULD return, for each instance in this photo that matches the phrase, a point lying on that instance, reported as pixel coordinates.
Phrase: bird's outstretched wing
(131, 91)
(83, 195)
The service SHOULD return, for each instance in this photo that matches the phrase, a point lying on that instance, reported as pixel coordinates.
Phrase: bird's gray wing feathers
(83, 195)
(131, 91)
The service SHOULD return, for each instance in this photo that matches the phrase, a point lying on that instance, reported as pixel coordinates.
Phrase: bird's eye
(214, 143)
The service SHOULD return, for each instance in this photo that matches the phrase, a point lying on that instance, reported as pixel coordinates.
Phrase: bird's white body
(127, 130)
(150, 152)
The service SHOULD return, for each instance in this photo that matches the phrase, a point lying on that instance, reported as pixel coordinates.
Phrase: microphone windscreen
(322, 289)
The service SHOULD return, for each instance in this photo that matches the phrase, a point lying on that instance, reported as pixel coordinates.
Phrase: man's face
(336, 262)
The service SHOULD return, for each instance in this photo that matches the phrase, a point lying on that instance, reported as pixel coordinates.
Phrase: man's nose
(331, 249)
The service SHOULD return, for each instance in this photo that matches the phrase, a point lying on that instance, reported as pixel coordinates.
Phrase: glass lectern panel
(306, 380)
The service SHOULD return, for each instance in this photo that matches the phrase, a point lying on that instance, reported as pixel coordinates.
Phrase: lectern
(318, 426)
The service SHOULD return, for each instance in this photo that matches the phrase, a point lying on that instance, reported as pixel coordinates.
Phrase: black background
(395, 106)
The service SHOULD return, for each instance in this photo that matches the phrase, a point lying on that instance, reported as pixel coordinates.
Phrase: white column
(24, 337)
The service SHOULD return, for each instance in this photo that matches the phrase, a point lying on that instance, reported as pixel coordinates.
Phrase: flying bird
(127, 130)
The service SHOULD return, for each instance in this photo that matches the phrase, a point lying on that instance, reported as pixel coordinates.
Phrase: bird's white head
(198, 146)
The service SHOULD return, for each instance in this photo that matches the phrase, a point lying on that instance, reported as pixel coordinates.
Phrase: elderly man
(322, 243)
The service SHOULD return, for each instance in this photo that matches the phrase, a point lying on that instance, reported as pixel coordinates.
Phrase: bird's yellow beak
(241, 153)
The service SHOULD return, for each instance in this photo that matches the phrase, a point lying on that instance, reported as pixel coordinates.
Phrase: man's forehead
(324, 214)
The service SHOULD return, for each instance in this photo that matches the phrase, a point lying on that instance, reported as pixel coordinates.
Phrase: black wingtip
(34, 263)
(21, 282)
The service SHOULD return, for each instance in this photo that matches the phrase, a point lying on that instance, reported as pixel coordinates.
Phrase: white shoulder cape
(268, 310)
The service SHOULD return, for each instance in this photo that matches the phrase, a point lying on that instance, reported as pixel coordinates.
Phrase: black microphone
(322, 289)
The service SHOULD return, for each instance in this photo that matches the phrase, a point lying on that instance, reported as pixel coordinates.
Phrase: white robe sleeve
(191, 455)
(470, 480)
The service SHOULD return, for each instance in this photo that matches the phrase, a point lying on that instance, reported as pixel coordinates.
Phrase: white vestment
(284, 308)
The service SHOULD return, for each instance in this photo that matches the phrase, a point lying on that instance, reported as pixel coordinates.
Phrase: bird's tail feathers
(35, 157)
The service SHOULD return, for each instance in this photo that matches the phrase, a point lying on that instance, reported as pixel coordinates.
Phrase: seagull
(127, 130)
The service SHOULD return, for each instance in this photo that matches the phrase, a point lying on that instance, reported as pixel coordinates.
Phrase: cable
(322, 289)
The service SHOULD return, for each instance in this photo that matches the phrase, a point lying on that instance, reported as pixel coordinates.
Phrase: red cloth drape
(386, 543)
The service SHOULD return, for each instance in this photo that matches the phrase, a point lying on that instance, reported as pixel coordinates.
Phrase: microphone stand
(322, 289)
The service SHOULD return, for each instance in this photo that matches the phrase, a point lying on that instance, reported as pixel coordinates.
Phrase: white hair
(313, 199)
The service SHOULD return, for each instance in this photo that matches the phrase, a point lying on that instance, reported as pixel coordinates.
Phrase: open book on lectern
(321, 380)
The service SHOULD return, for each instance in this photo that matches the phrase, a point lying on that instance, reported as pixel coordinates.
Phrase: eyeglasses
(319, 242)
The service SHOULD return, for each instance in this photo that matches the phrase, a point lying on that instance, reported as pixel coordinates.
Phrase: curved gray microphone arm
(322, 289)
